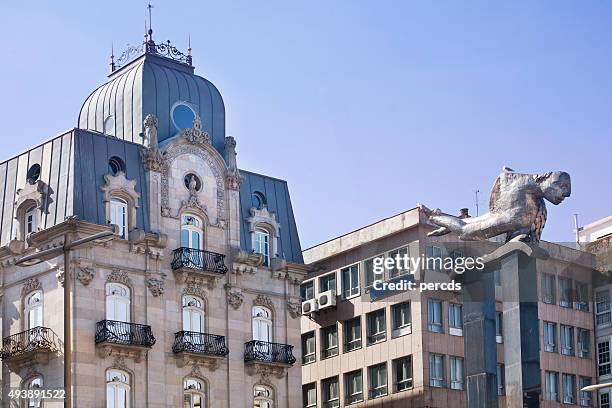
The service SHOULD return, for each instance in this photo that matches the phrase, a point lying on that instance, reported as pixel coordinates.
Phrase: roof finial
(112, 58)
(149, 7)
(146, 34)
(189, 50)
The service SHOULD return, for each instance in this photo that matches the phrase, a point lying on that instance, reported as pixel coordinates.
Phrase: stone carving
(195, 135)
(156, 285)
(232, 175)
(60, 276)
(150, 131)
(120, 363)
(265, 371)
(30, 285)
(234, 296)
(85, 275)
(194, 289)
(119, 276)
(263, 300)
(195, 371)
(294, 308)
(516, 208)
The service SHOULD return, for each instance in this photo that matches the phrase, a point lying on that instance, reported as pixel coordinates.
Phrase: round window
(116, 165)
(258, 200)
(109, 126)
(183, 116)
(33, 173)
(192, 182)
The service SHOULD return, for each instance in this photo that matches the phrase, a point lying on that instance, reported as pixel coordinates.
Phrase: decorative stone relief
(119, 276)
(265, 371)
(30, 285)
(156, 285)
(294, 308)
(194, 289)
(195, 135)
(120, 363)
(84, 274)
(263, 300)
(234, 296)
(232, 175)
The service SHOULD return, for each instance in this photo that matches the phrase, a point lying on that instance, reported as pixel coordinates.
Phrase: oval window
(33, 173)
(116, 165)
(258, 200)
(109, 126)
(183, 116)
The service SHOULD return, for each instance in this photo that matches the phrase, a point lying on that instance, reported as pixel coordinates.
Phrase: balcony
(199, 348)
(265, 352)
(124, 339)
(31, 346)
(198, 266)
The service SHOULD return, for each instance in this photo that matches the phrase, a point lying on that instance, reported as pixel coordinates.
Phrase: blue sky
(366, 107)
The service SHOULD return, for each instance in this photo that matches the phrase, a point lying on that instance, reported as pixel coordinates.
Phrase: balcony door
(191, 232)
(262, 324)
(33, 309)
(118, 311)
(193, 314)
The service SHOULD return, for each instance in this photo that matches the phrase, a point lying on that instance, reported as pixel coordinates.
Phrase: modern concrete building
(408, 349)
(195, 301)
(596, 238)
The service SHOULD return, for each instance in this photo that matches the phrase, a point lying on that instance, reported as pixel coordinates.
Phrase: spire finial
(146, 34)
(112, 58)
(189, 61)
(149, 7)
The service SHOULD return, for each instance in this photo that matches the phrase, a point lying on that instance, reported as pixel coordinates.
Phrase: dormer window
(262, 245)
(118, 215)
(30, 220)
(109, 126)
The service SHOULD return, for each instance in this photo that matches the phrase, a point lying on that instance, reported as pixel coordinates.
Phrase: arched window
(29, 221)
(262, 324)
(191, 232)
(263, 397)
(193, 314)
(194, 394)
(33, 383)
(118, 215)
(117, 302)
(262, 245)
(33, 306)
(117, 389)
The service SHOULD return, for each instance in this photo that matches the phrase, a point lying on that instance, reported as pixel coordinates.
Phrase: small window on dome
(183, 116)
(116, 165)
(258, 200)
(33, 173)
(109, 126)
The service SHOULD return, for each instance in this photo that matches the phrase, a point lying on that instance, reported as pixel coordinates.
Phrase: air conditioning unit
(326, 299)
(309, 306)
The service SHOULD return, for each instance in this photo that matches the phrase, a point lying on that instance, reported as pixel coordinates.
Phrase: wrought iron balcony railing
(199, 343)
(199, 259)
(130, 334)
(33, 340)
(263, 351)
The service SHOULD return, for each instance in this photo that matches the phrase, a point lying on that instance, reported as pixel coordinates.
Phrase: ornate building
(194, 302)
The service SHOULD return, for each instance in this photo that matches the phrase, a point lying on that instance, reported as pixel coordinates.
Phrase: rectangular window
(585, 396)
(331, 396)
(602, 308)
(584, 341)
(307, 291)
(567, 340)
(433, 258)
(370, 276)
(604, 400)
(582, 296)
(309, 395)
(565, 292)
(550, 337)
(378, 380)
(353, 387)
(327, 282)
(603, 358)
(377, 327)
(352, 334)
(434, 315)
(401, 254)
(499, 327)
(118, 216)
(455, 319)
(350, 281)
(548, 288)
(552, 386)
(569, 389)
(329, 341)
(402, 323)
(501, 380)
(436, 370)
(456, 373)
(262, 246)
(308, 347)
(402, 374)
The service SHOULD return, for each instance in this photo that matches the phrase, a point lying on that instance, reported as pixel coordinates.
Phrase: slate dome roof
(152, 83)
